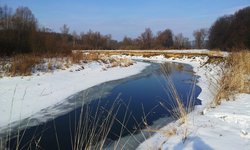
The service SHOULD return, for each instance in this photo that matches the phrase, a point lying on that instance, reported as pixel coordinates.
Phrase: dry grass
(216, 53)
(180, 111)
(91, 56)
(23, 64)
(93, 128)
(235, 77)
(94, 134)
(26, 64)
(149, 53)
(167, 133)
(76, 57)
(122, 62)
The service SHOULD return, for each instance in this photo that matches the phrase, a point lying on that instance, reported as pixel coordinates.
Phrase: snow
(22, 97)
(224, 127)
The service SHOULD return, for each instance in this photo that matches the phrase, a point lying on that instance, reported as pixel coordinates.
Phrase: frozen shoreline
(21, 97)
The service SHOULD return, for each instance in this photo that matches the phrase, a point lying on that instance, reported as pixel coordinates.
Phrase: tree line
(20, 33)
(231, 32)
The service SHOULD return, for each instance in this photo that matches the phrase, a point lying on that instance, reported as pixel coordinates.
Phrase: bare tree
(95, 40)
(5, 17)
(128, 43)
(200, 36)
(75, 38)
(181, 42)
(146, 39)
(64, 29)
(65, 36)
(164, 39)
(24, 19)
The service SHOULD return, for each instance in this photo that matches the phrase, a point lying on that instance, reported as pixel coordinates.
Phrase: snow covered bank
(224, 127)
(20, 97)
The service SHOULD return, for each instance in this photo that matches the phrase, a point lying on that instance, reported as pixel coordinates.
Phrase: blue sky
(129, 17)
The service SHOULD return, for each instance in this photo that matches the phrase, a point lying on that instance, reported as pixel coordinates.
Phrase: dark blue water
(126, 106)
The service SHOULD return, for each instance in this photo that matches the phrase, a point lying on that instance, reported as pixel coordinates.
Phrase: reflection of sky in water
(139, 95)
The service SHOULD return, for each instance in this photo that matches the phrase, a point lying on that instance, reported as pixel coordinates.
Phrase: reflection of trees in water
(169, 68)
(179, 66)
(166, 68)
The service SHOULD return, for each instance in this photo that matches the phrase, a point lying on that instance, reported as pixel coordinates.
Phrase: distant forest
(20, 33)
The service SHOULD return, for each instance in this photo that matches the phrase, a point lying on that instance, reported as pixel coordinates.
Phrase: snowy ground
(224, 127)
(21, 97)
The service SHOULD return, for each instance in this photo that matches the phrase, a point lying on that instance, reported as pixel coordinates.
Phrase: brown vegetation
(180, 111)
(235, 77)
(23, 64)
(26, 64)
(166, 53)
(77, 57)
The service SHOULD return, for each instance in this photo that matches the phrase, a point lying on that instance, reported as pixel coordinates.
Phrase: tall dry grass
(176, 102)
(179, 109)
(91, 131)
(235, 77)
